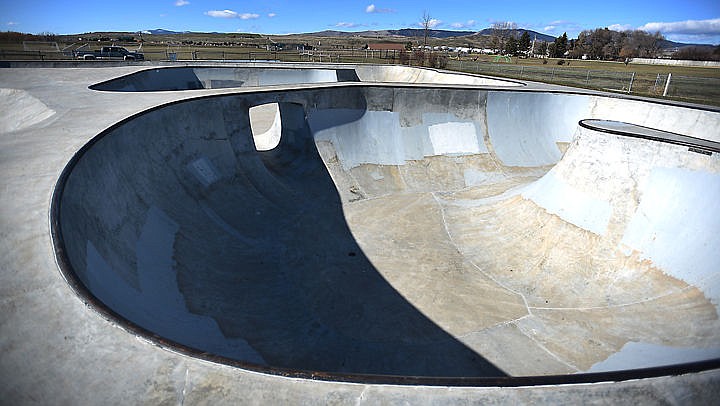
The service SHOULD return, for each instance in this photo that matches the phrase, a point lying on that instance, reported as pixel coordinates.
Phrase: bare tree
(501, 31)
(426, 23)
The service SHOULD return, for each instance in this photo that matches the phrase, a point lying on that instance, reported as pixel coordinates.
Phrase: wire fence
(696, 89)
(687, 88)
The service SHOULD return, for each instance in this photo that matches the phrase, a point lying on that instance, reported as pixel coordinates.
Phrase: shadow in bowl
(192, 236)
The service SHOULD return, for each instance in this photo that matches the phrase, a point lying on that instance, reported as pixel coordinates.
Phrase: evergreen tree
(561, 44)
(511, 46)
(524, 43)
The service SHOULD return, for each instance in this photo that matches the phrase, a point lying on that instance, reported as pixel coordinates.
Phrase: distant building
(280, 46)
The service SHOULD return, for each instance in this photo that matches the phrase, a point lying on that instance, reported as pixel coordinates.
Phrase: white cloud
(231, 14)
(11, 23)
(558, 27)
(271, 15)
(221, 13)
(372, 9)
(180, 3)
(688, 27)
(431, 24)
(467, 24)
(344, 24)
(620, 27)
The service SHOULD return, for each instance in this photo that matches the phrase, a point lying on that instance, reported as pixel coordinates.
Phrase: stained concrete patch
(585, 336)
(405, 237)
(501, 344)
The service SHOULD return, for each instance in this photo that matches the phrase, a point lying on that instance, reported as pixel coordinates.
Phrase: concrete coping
(637, 131)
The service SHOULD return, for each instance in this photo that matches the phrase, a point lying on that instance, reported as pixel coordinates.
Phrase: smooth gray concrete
(394, 230)
(217, 76)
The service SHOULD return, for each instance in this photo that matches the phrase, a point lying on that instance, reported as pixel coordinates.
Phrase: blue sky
(685, 21)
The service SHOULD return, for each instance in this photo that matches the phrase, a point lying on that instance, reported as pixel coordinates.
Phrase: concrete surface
(197, 75)
(431, 231)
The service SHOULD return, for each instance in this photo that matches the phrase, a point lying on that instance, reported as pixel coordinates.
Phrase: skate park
(332, 233)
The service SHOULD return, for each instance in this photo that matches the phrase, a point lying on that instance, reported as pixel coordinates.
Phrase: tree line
(17, 37)
(606, 44)
(598, 44)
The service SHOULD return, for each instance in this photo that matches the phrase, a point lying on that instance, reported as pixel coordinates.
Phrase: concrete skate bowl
(218, 77)
(406, 235)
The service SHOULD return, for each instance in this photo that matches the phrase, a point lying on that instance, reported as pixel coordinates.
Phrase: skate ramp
(20, 110)
(411, 232)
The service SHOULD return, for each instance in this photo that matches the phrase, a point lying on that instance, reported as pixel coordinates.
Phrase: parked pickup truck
(111, 53)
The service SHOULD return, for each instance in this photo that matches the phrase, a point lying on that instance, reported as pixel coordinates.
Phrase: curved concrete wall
(404, 74)
(191, 78)
(213, 77)
(401, 231)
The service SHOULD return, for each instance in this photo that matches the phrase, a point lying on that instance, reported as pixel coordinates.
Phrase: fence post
(667, 84)
(522, 69)
(632, 79)
(657, 80)
(587, 79)
(552, 76)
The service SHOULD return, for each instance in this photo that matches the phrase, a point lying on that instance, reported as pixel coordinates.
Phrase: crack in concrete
(527, 306)
(184, 388)
(452, 241)
(361, 397)
(658, 297)
(552, 354)
(496, 325)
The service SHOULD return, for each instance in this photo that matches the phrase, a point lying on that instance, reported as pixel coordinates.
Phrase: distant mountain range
(405, 32)
(667, 44)
(160, 31)
(419, 32)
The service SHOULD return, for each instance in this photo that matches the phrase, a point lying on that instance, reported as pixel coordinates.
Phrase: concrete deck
(441, 231)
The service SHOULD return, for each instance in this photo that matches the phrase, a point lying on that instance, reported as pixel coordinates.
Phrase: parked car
(111, 52)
